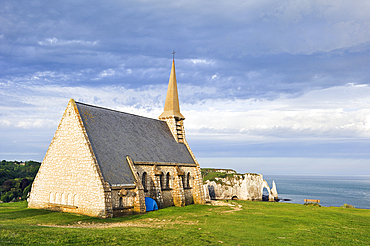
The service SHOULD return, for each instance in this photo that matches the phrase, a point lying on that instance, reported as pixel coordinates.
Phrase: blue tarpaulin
(150, 204)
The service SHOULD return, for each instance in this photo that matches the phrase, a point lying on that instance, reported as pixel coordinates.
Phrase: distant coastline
(330, 190)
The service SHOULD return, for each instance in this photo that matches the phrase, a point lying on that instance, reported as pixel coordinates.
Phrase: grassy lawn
(245, 223)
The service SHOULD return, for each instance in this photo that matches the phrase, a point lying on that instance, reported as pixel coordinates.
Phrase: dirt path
(233, 205)
(152, 223)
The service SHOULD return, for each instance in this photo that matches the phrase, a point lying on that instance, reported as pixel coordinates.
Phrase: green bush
(5, 197)
(26, 191)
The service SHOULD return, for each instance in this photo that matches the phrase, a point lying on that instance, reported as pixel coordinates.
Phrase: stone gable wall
(68, 179)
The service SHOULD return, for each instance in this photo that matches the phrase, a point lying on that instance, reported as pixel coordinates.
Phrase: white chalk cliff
(227, 184)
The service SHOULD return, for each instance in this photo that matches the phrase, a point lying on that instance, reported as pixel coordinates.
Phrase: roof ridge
(115, 110)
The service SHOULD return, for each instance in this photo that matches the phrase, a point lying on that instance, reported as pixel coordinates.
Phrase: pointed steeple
(172, 106)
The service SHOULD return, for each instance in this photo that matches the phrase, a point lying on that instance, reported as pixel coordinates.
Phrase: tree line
(16, 179)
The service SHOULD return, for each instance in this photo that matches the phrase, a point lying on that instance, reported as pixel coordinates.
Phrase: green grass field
(244, 223)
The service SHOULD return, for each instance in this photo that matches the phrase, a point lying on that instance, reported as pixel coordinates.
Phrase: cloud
(5, 122)
(197, 29)
(328, 122)
(199, 61)
(31, 123)
(55, 42)
(291, 46)
(338, 112)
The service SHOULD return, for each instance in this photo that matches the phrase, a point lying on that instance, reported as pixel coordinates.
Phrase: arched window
(120, 202)
(143, 181)
(75, 200)
(52, 199)
(188, 180)
(183, 181)
(161, 179)
(58, 198)
(69, 199)
(168, 180)
(64, 199)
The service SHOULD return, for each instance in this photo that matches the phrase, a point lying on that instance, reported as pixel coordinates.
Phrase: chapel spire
(172, 106)
(171, 113)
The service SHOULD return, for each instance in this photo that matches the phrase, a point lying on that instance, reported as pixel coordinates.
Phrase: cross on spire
(173, 55)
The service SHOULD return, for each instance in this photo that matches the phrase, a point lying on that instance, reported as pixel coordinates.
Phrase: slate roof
(114, 135)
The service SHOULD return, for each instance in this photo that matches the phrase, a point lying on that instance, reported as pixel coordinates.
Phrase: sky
(266, 86)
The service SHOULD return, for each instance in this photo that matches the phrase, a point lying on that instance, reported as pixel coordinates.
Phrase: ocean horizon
(330, 190)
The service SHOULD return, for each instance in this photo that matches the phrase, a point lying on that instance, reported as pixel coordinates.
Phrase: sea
(330, 190)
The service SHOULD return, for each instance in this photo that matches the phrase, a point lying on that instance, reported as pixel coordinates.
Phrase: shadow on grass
(22, 214)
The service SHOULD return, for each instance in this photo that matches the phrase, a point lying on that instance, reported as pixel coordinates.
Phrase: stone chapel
(103, 162)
